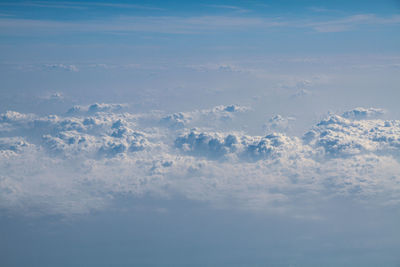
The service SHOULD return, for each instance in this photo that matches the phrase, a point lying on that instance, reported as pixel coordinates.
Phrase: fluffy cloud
(15, 117)
(217, 145)
(176, 120)
(203, 117)
(339, 137)
(211, 145)
(279, 123)
(363, 113)
(96, 107)
(14, 144)
(80, 161)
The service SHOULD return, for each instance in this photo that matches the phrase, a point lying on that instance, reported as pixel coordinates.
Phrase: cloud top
(363, 113)
(79, 161)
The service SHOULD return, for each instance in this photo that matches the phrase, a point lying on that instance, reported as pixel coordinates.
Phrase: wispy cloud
(350, 22)
(78, 5)
(229, 7)
(161, 24)
(184, 25)
(44, 4)
(318, 9)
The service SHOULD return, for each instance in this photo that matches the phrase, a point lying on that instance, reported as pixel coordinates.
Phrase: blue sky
(183, 28)
(103, 46)
(200, 133)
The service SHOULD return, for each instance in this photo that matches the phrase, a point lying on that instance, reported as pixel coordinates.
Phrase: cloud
(127, 24)
(203, 117)
(220, 67)
(301, 93)
(176, 120)
(238, 146)
(363, 113)
(77, 5)
(64, 67)
(14, 144)
(341, 137)
(55, 96)
(100, 132)
(279, 123)
(350, 22)
(210, 145)
(318, 9)
(78, 162)
(15, 117)
(228, 7)
(186, 25)
(96, 107)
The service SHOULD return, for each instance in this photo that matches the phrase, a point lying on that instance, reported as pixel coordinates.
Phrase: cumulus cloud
(338, 136)
(95, 134)
(80, 161)
(15, 117)
(176, 120)
(14, 144)
(222, 113)
(211, 145)
(279, 123)
(363, 113)
(245, 147)
(96, 107)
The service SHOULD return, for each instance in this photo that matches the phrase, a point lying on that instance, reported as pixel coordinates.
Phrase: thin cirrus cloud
(186, 25)
(80, 161)
(77, 5)
(174, 25)
(350, 22)
(228, 7)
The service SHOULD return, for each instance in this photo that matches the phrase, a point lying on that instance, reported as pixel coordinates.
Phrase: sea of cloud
(82, 160)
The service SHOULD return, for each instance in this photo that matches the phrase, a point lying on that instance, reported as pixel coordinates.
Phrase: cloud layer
(83, 159)
(189, 25)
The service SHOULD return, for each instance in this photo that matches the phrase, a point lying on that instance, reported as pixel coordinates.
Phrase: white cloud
(78, 5)
(186, 25)
(348, 23)
(14, 144)
(338, 137)
(163, 24)
(228, 7)
(204, 117)
(96, 107)
(65, 67)
(176, 120)
(79, 162)
(238, 146)
(363, 113)
(56, 96)
(221, 67)
(279, 123)
(318, 9)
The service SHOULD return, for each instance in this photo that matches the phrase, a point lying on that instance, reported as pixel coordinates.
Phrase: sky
(199, 133)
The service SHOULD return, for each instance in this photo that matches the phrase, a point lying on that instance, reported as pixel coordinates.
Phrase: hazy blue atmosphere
(199, 133)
